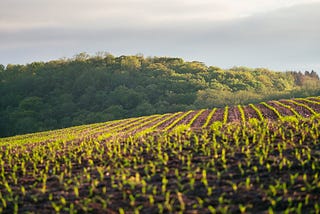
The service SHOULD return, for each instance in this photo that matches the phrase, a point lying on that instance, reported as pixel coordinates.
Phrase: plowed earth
(109, 175)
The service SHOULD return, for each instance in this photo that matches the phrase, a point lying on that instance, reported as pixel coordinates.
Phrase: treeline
(86, 89)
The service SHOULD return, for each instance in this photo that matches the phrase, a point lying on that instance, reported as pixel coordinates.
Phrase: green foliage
(86, 89)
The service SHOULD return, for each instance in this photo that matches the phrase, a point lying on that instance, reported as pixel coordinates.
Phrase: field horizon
(272, 110)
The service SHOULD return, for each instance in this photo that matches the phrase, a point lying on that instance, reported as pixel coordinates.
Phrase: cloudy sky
(276, 34)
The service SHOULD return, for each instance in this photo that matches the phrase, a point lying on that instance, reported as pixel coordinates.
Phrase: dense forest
(85, 89)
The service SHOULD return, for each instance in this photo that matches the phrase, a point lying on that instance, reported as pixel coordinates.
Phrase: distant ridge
(87, 89)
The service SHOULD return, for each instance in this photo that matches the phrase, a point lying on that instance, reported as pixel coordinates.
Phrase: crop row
(257, 166)
(273, 110)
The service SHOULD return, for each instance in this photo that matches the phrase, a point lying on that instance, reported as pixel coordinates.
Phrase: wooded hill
(86, 89)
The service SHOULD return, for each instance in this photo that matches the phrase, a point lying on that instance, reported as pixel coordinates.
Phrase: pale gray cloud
(69, 13)
(277, 34)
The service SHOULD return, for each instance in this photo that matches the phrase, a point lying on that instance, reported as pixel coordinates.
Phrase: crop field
(257, 158)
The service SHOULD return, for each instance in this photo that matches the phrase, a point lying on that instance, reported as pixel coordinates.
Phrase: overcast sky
(276, 34)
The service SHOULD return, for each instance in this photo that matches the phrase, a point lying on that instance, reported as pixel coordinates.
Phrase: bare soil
(317, 99)
(256, 193)
(199, 122)
(217, 116)
(315, 107)
(266, 112)
(234, 114)
(282, 110)
(250, 112)
(187, 119)
(167, 123)
(301, 110)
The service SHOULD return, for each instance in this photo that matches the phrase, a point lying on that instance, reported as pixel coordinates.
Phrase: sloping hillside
(194, 119)
(63, 93)
(256, 158)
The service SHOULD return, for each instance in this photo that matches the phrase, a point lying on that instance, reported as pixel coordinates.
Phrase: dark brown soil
(122, 123)
(266, 112)
(315, 107)
(217, 116)
(255, 194)
(250, 112)
(199, 122)
(148, 125)
(234, 114)
(167, 123)
(112, 124)
(301, 110)
(219, 177)
(135, 125)
(188, 118)
(317, 99)
(282, 110)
